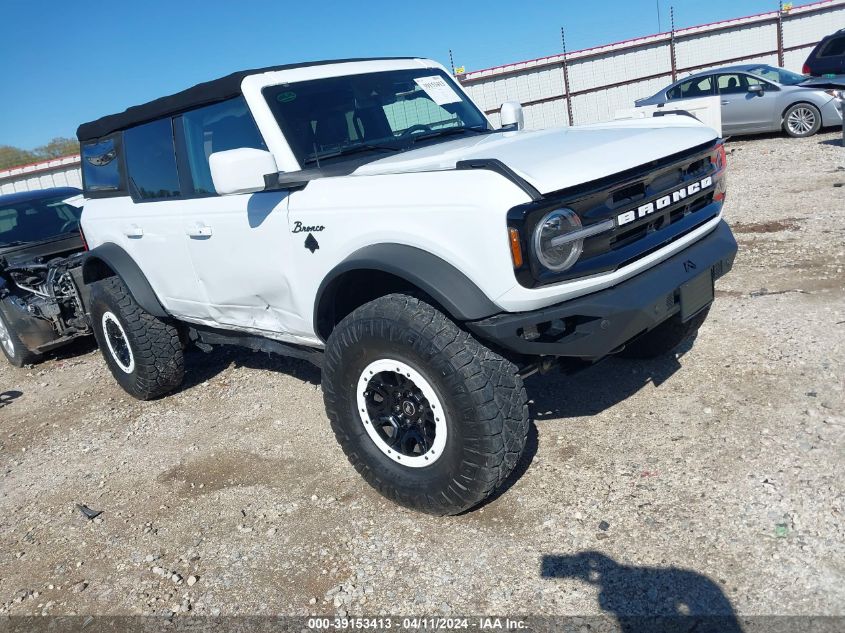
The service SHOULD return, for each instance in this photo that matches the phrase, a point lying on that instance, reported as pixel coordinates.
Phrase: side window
(101, 166)
(151, 161)
(698, 87)
(732, 84)
(215, 128)
(755, 81)
(834, 47)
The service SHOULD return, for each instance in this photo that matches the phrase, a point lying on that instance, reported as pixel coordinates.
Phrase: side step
(205, 338)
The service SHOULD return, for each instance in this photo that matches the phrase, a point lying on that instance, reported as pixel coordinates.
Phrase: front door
(744, 111)
(238, 245)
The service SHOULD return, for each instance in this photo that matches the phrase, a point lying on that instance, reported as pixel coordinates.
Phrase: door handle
(725, 102)
(198, 230)
(133, 230)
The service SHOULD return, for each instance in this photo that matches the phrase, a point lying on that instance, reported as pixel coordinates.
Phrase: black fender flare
(448, 286)
(119, 261)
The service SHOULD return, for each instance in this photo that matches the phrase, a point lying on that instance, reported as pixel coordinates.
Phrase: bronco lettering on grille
(664, 201)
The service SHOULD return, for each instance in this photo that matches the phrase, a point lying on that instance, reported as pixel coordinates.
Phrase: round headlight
(551, 246)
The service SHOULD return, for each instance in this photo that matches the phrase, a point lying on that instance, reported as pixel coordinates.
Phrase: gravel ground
(714, 480)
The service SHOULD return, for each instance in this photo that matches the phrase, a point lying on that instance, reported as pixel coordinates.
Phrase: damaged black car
(42, 297)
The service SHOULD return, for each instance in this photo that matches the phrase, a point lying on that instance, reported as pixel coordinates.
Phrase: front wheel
(802, 120)
(13, 348)
(143, 352)
(430, 417)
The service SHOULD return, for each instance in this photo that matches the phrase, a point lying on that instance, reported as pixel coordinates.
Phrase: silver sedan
(758, 98)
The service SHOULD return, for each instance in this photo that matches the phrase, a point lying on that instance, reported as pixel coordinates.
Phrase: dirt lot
(714, 480)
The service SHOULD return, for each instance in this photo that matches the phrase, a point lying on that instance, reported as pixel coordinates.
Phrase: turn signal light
(720, 159)
(516, 247)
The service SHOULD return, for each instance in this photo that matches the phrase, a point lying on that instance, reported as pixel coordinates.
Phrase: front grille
(609, 198)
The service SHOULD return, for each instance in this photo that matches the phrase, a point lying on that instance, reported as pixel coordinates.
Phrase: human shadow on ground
(836, 142)
(649, 599)
(6, 397)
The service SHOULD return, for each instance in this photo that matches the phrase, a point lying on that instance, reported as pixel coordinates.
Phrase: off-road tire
(796, 120)
(665, 338)
(20, 355)
(157, 362)
(482, 395)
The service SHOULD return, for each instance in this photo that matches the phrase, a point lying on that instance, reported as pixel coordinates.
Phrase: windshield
(37, 220)
(779, 75)
(384, 111)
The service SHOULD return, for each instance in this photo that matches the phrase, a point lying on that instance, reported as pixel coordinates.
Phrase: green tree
(59, 146)
(14, 156)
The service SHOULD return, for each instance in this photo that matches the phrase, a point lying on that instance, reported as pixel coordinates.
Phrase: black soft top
(199, 95)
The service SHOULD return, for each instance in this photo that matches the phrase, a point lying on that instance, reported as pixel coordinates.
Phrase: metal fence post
(672, 44)
(566, 79)
(780, 35)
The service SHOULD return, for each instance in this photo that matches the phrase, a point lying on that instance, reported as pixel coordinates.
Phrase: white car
(367, 216)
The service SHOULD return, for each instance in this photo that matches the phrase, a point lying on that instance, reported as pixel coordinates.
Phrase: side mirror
(240, 170)
(755, 89)
(512, 116)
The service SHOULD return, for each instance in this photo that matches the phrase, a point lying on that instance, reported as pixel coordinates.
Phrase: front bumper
(592, 326)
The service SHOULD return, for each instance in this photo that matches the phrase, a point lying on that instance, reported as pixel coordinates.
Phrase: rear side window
(216, 128)
(101, 165)
(834, 47)
(151, 161)
(692, 88)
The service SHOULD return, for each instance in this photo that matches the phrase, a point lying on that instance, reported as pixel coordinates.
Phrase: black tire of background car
(21, 356)
(155, 344)
(665, 337)
(482, 394)
(811, 108)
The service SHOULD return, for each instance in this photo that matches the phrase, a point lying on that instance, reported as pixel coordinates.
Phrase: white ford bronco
(367, 216)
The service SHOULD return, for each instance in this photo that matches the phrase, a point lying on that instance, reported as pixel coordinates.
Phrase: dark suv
(828, 57)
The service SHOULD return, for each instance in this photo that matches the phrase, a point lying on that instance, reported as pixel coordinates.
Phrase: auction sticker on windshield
(437, 88)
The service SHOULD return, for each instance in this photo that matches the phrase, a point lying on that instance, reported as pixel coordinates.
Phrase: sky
(66, 62)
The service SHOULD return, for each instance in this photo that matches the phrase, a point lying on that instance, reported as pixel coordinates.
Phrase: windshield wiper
(354, 149)
(44, 240)
(449, 131)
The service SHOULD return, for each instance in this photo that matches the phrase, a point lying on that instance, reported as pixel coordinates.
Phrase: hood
(555, 159)
(834, 82)
(23, 253)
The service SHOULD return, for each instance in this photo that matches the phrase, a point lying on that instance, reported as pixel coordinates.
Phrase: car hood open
(554, 159)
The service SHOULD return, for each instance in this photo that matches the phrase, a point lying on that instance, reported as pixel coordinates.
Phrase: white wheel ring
(126, 368)
(6, 339)
(397, 366)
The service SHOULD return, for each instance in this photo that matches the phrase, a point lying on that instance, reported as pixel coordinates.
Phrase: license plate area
(696, 295)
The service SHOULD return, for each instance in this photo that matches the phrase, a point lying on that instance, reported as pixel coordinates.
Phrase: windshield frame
(465, 114)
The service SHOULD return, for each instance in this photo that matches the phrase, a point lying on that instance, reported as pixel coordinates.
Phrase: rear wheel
(665, 337)
(12, 346)
(430, 417)
(802, 120)
(143, 352)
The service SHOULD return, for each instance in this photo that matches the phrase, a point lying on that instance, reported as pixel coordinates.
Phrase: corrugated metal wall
(61, 172)
(608, 78)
